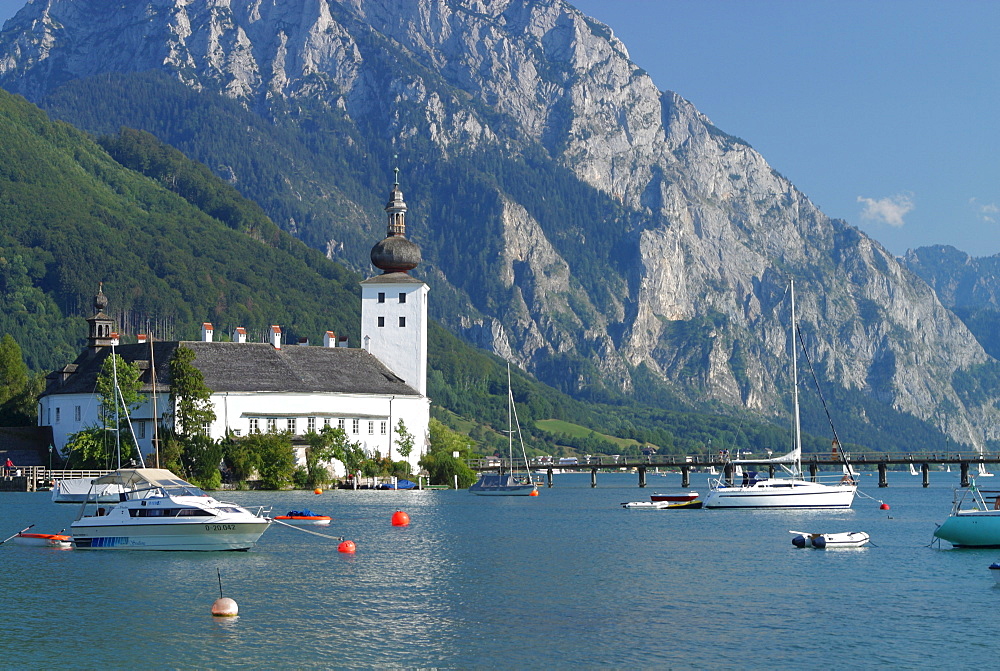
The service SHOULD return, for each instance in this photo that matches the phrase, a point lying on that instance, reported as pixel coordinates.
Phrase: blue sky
(885, 113)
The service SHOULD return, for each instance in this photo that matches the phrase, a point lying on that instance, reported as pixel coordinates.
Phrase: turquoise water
(565, 579)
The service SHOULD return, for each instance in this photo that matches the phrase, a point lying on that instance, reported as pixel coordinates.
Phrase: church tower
(394, 304)
(101, 326)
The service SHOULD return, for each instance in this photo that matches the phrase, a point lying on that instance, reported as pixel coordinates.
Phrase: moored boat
(160, 511)
(974, 521)
(663, 505)
(847, 539)
(684, 497)
(304, 518)
(59, 541)
(512, 482)
(76, 490)
(995, 570)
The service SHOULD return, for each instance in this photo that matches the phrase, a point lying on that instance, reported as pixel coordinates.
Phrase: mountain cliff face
(577, 220)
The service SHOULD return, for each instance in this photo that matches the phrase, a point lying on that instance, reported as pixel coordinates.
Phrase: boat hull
(492, 484)
(195, 536)
(675, 498)
(299, 521)
(849, 539)
(782, 494)
(663, 505)
(971, 529)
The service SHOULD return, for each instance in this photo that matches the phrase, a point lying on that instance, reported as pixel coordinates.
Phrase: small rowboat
(43, 540)
(662, 505)
(686, 497)
(995, 570)
(304, 518)
(847, 539)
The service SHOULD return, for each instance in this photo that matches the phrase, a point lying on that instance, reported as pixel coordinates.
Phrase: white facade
(394, 325)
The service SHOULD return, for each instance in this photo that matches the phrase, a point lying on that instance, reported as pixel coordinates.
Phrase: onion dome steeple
(101, 326)
(396, 254)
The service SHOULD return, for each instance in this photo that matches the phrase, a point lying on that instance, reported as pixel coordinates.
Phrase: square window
(371, 428)
(76, 413)
(236, 432)
(254, 426)
(381, 322)
(272, 424)
(356, 426)
(57, 415)
(383, 428)
(206, 428)
(402, 322)
(311, 425)
(342, 424)
(292, 424)
(381, 297)
(402, 297)
(140, 429)
(326, 422)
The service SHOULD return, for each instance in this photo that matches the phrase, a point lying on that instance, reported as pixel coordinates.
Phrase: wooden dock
(36, 478)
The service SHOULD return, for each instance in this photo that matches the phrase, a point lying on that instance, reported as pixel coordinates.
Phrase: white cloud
(889, 210)
(985, 211)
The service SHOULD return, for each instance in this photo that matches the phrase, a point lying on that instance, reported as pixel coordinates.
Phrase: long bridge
(687, 464)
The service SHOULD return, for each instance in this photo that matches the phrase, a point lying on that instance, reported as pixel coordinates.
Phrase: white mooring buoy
(224, 606)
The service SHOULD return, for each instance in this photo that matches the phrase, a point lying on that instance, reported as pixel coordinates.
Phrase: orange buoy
(400, 519)
(317, 491)
(534, 492)
(225, 607)
(884, 506)
(347, 546)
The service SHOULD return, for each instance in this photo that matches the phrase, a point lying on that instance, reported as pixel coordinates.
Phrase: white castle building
(273, 386)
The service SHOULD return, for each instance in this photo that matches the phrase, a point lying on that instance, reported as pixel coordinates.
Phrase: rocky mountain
(576, 219)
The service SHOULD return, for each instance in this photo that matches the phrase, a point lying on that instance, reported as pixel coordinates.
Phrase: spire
(395, 254)
(101, 326)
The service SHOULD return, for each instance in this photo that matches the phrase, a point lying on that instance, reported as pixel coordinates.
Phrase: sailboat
(509, 483)
(757, 490)
(913, 470)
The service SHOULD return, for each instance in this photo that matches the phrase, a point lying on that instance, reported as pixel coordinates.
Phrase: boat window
(229, 509)
(194, 512)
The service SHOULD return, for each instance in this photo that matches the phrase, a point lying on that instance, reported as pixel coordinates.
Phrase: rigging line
(306, 531)
(812, 371)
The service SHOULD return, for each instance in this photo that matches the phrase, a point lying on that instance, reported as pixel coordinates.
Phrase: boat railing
(975, 499)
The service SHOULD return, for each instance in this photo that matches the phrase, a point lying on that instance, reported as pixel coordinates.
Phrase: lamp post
(50, 457)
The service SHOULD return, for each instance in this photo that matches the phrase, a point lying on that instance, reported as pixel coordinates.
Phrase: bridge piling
(882, 479)
(593, 478)
(964, 467)
(728, 473)
(813, 470)
(548, 477)
(925, 471)
(685, 477)
(642, 476)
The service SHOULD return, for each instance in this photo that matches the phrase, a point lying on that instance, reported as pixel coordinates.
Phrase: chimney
(330, 339)
(276, 337)
(206, 332)
(141, 338)
(241, 334)
(342, 341)
(114, 339)
(304, 342)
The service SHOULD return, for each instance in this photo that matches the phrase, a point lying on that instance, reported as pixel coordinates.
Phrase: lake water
(565, 579)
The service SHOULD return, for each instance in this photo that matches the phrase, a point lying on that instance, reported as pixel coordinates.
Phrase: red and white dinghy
(42, 540)
(304, 518)
(683, 497)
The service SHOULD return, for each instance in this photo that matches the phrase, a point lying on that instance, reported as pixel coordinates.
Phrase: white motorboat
(509, 483)
(974, 521)
(159, 511)
(847, 539)
(76, 490)
(760, 491)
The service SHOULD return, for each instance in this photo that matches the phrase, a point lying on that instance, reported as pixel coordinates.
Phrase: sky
(885, 113)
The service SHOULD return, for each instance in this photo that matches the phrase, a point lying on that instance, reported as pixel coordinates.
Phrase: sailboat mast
(118, 426)
(795, 386)
(510, 421)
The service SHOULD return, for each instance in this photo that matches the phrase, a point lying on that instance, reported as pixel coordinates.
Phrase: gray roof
(392, 278)
(245, 367)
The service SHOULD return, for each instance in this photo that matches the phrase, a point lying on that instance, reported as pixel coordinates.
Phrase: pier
(34, 478)
(688, 464)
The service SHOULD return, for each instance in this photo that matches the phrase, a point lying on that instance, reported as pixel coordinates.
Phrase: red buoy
(534, 492)
(400, 519)
(346, 546)
(884, 506)
(317, 491)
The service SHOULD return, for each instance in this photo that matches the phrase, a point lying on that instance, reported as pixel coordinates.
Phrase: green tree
(440, 463)
(191, 399)
(91, 448)
(202, 457)
(404, 441)
(13, 370)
